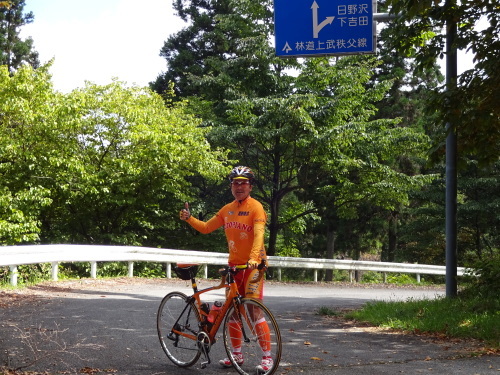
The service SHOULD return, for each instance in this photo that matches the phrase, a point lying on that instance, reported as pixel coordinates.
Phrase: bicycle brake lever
(262, 265)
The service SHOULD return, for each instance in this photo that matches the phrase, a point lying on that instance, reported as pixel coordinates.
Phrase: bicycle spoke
(255, 322)
(177, 325)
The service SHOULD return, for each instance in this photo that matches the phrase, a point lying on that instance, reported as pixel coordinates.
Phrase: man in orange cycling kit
(244, 222)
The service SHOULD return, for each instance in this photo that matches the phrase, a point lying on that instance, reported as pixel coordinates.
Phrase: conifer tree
(15, 51)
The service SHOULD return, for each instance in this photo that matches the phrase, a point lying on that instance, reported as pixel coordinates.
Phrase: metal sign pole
(451, 163)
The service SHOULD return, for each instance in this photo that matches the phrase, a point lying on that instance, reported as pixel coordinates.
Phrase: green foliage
(112, 269)
(326, 311)
(18, 215)
(103, 164)
(149, 270)
(120, 269)
(401, 279)
(479, 199)
(421, 235)
(28, 108)
(483, 279)
(472, 107)
(287, 248)
(75, 270)
(134, 155)
(339, 145)
(371, 277)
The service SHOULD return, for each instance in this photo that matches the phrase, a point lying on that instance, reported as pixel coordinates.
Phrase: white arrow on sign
(317, 27)
(287, 48)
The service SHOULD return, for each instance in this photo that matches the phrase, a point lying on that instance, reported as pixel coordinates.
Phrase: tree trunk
(273, 234)
(393, 236)
(331, 234)
(273, 226)
(274, 206)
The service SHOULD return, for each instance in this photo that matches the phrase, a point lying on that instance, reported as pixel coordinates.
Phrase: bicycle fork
(239, 318)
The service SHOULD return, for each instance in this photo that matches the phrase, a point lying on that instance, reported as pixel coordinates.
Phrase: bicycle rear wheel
(177, 314)
(253, 320)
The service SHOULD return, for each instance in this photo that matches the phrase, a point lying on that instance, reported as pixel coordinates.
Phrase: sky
(98, 40)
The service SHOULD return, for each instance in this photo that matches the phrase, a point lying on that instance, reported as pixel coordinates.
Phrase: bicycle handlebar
(262, 267)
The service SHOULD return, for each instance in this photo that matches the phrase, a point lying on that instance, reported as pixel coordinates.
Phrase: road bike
(186, 330)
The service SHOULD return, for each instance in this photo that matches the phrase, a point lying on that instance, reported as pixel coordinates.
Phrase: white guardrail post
(55, 271)
(13, 256)
(93, 270)
(13, 275)
(130, 269)
(169, 270)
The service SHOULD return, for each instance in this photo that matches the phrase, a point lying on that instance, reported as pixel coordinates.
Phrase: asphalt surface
(109, 327)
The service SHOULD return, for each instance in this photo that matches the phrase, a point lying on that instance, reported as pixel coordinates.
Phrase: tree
(13, 50)
(27, 121)
(422, 238)
(406, 99)
(103, 164)
(189, 51)
(319, 123)
(353, 171)
(478, 212)
(473, 106)
(130, 155)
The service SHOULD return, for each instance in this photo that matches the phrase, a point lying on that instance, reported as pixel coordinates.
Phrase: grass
(326, 311)
(472, 317)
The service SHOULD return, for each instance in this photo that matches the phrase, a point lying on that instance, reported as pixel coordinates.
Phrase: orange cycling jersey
(244, 224)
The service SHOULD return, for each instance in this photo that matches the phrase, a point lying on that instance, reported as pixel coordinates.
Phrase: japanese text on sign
(342, 27)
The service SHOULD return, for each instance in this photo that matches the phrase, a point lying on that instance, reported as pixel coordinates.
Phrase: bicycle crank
(204, 347)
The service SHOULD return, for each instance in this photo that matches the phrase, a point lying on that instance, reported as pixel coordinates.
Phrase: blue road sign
(324, 27)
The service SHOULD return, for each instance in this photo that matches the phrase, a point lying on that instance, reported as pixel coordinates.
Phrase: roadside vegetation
(474, 314)
(466, 317)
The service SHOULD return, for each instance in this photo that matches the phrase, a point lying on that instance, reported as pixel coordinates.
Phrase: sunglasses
(239, 183)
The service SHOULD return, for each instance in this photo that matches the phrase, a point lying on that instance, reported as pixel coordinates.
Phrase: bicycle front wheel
(250, 328)
(177, 325)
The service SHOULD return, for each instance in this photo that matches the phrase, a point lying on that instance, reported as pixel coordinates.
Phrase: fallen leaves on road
(11, 299)
(91, 371)
(5, 371)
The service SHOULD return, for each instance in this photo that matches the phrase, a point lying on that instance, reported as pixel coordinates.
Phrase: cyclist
(244, 222)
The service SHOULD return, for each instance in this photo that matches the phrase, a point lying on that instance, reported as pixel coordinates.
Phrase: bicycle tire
(252, 350)
(182, 351)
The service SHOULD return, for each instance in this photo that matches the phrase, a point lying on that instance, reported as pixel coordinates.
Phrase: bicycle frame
(232, 296)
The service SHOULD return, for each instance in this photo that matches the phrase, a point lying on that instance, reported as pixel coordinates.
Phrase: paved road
(108, 327)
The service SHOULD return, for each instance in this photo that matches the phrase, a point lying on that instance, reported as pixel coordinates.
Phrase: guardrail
(14, 256)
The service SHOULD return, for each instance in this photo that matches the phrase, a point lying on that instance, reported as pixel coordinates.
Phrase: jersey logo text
(240, 226)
